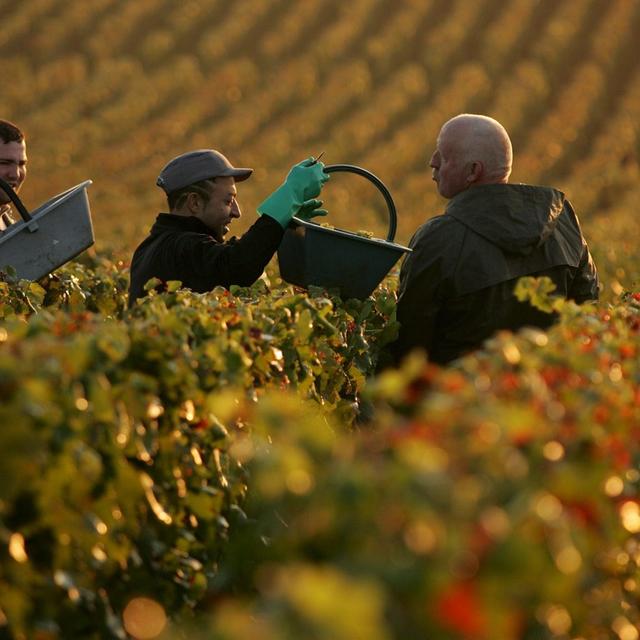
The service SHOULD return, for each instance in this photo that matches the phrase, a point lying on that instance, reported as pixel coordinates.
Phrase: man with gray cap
(188, 243)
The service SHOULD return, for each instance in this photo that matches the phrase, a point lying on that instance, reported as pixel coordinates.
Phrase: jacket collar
(171, 222)
(486, 198)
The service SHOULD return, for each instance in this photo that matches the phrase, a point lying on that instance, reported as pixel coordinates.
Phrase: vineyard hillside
(237, 463)
(110, 90)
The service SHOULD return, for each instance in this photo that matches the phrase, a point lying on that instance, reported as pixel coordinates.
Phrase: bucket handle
(32, 225)
(351, 168)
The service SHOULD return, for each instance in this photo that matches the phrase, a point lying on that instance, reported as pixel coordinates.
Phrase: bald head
(472, 150)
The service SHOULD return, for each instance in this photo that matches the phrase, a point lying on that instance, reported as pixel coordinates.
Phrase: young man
(13, 166)
(456, 287)
(188, 243)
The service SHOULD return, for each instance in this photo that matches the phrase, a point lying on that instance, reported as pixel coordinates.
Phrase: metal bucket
(311, 254)
(49, 236)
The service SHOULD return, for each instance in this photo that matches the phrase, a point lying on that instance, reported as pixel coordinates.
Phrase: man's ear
(476, 170)
(193, 202)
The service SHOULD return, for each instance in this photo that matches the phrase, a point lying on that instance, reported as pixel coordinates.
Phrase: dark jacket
(456, 288)
(182, 248)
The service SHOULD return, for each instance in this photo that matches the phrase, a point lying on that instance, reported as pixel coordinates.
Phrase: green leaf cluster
(209, 452)
(116, 478)
(497, 498)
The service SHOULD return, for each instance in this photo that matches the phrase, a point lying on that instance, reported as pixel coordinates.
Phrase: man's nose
(235, 210)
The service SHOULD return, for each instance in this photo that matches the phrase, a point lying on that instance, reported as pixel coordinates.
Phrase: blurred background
(111, 90)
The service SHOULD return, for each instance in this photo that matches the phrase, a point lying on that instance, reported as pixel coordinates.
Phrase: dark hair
(9, 132)
(177, 197)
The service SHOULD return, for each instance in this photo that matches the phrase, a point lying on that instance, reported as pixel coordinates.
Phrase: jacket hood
(518, 218)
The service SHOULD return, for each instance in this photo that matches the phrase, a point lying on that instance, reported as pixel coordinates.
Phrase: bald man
(456, 287)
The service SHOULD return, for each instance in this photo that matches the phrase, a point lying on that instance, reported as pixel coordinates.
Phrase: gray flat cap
(198, 165)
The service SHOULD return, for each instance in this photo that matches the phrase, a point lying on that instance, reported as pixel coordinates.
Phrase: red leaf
(459, 609)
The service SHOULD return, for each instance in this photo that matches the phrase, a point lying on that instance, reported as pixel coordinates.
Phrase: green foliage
(95, 283)
(494, 499)
(116, 478)
(538, 293)
(202, 451)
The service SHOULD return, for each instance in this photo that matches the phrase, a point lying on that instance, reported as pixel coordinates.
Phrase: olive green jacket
(456, 287)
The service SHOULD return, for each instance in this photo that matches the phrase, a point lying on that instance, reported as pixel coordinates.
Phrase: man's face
(222, 207)
(449, 167)
(13, 166)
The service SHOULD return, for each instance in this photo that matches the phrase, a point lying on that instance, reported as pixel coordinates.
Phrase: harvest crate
(50, 236)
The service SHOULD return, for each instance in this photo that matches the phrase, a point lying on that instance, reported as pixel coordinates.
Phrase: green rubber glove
(311, 209)
(303, 182)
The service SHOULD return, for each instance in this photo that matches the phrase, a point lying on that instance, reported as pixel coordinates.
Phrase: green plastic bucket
(311, 254)
(49, 236)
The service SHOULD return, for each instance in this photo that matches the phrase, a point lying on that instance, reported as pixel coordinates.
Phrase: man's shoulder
(437, 242)
(434, 230)
(166, 240)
